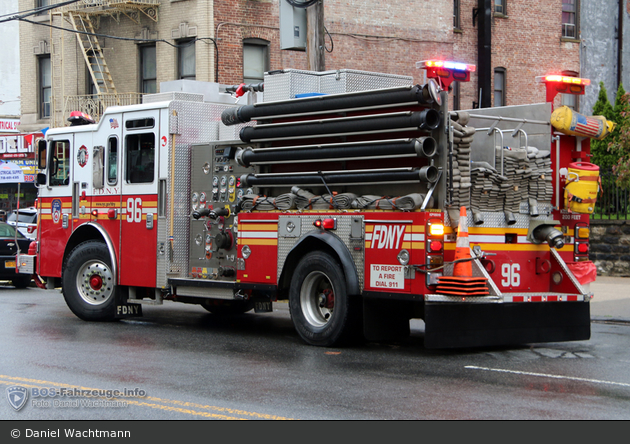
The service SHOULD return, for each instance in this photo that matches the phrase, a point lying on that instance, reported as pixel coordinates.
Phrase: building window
(500, 7)
(456, 12)
(148, 69)
(499, 87)
(186, 59)
(570, 19)
(45, 86)
(43, 4)
(255, 60)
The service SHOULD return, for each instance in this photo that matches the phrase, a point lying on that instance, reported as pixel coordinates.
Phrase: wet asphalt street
(190, 364)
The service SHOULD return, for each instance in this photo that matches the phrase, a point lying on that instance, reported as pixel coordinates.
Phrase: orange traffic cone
(462, 283)
(462, 248)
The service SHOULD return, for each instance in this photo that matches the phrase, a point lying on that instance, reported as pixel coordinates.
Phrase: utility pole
(315, 37)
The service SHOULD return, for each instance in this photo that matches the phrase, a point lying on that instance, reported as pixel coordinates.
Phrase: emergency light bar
(563, 79)
(427, 64)
(446, 72)
(562, 84)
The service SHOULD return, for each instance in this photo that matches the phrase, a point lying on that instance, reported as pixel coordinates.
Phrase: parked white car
(26, 223)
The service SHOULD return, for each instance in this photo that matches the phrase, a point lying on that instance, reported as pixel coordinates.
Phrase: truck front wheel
(322, 312)
(88, 282)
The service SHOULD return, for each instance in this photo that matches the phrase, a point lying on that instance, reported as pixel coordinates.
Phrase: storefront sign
(9, 125)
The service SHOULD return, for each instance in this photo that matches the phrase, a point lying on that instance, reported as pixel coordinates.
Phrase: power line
(22, 14)
(132, 39)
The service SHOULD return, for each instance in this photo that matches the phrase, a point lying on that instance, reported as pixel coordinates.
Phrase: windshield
(9, 231)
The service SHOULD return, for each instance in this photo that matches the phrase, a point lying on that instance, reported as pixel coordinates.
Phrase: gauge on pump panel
(223, 181)
(215, 181)
(195, 201)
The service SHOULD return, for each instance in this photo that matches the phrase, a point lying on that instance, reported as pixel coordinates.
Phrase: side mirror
(41, 179)
(41, 154)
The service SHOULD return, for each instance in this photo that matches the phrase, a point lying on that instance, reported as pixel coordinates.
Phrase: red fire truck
(347, 204)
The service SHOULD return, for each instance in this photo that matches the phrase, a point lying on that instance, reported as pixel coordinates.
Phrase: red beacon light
(562, 84)
(446, 72)
(80, 118)
(329, 223)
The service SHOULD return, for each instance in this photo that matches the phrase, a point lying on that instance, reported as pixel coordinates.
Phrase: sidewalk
(611, 298)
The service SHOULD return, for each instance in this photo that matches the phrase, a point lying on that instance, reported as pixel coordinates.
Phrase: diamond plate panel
(349, 80)
(286, 84)
(197, 122)
(497, 220)
(343, 231)
(168, 96)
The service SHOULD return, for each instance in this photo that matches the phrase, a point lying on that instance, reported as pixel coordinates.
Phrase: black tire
(322, 311)
(228, 307)
(21, 281)
(88, 282)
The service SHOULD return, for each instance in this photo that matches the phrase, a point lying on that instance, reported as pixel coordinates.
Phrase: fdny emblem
(56, 210)
(17, 396)
(387, 236)
(82, 156)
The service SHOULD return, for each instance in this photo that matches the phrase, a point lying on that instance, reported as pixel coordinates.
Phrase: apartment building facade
(146, 42)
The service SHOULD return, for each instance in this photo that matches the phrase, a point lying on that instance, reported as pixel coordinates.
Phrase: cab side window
(60, 163)
(112, 161)
(140, 158)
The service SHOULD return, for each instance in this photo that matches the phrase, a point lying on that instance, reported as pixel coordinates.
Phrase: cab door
(106, 178)
(55, 204)
(138, 231)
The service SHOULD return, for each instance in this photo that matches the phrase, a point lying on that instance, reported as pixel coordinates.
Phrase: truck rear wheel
(322, 312)
(88, 282)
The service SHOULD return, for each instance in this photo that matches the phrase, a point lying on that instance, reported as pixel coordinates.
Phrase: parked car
(26, 223)
(8, 251)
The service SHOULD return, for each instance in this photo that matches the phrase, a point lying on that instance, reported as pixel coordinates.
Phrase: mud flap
(450, 325)
(128, 310)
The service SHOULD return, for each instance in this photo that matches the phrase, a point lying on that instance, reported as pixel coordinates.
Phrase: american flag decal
(587, 126)
(113, 123)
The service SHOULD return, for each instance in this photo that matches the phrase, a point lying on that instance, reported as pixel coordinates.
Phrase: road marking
(545, 375)
(35, 383)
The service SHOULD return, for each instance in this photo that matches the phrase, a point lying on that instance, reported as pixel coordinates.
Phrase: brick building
(146, 42)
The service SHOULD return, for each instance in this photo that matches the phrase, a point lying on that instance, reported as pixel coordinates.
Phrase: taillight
(435, 246)
(434, 250)
(581, 249)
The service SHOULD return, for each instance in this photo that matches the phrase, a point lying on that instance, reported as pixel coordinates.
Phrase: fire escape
(84, 17)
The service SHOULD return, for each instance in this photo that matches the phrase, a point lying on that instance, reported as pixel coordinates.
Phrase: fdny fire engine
(355, 196)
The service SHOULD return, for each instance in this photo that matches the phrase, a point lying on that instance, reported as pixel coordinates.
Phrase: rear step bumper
(450, 325)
